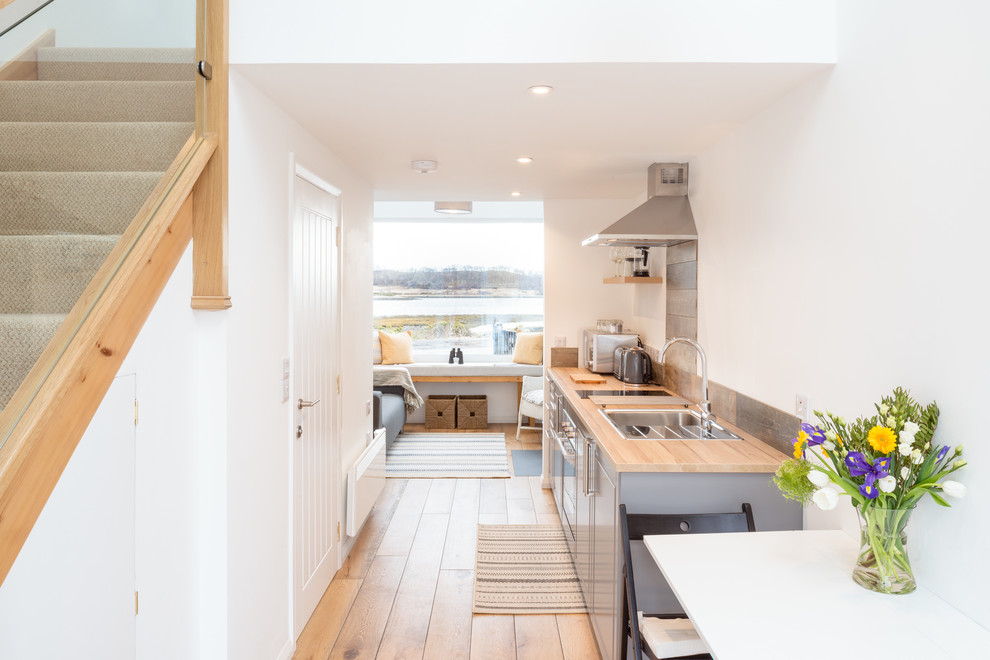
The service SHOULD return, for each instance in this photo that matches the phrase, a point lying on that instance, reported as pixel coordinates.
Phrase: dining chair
(659, 636)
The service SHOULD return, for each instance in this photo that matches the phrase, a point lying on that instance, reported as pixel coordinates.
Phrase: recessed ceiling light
(461, 208)
(524, 159)
(541, 89)
(515, 193)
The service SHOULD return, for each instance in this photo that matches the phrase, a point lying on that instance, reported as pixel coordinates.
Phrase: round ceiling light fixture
(424, 166)
(541, 89)
(454, 208)
(515, 193)
(525, 160)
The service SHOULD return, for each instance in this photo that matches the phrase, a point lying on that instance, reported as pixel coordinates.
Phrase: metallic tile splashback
(771, 425)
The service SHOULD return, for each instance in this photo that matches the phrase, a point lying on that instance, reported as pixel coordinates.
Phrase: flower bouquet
(886, 464)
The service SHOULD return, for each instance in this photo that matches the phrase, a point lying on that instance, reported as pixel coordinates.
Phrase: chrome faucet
(705, 405)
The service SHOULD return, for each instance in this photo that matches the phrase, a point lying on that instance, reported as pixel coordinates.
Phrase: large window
(470, 283)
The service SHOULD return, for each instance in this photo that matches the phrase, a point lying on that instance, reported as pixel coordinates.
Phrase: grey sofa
(389, 411)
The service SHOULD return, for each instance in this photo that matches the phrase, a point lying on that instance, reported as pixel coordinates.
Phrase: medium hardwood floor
(405, 589)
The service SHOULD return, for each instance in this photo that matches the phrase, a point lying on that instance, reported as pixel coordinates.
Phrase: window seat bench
(473, 372)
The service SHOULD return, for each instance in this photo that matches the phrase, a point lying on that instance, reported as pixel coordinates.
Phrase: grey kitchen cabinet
(584, 529)
(598, 551)
(556, 468)
(605, 558)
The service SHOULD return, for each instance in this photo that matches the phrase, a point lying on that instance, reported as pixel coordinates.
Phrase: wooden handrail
(47, 416)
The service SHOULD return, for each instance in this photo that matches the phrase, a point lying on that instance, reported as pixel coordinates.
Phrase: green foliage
(792, 480)
(460, 279)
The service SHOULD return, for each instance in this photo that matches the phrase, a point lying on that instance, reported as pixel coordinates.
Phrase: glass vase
(883, 564)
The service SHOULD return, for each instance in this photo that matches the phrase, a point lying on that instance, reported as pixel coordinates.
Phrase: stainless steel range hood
(664, 219)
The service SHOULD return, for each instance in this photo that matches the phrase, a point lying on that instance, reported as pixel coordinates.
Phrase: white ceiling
(593, 137)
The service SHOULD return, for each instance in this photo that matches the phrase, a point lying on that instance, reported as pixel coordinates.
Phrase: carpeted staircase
(80, 151)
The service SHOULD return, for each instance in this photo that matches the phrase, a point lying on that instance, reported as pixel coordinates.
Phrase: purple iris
(860, 467)
(942, 452)
(816, 436)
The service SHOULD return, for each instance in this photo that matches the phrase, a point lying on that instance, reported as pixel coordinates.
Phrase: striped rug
(447, 455)
(525, 569)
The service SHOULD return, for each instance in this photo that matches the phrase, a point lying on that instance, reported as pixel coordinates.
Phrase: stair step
(97, 100)
(47, 274)
(23, 337)
(91, 147)
(71, 202)
(116, 64)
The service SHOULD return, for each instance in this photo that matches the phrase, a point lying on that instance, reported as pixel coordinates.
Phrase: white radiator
(365, 482)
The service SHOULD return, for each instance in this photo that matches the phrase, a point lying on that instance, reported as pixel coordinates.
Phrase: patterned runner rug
(447, 455)
(525, 569)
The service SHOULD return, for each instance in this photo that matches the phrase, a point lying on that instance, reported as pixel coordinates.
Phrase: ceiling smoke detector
(424, 166)
(462, 208)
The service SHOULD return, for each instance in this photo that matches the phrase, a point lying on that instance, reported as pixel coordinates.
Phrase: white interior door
(315, 445)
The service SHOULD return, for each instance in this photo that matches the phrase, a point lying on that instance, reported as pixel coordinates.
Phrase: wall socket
(801, 407)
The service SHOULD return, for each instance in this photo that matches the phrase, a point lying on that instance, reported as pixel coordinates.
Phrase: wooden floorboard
(441, 496)
(370, 537)
(320, 633)
(406, 589)
(405, 633)
(493, 637)
(520, 511)
(493, 496)
(537, 637)
(402, 528)
(450, 624)
(493, 519)
(362, 630)
(462, 533)
(577, 641)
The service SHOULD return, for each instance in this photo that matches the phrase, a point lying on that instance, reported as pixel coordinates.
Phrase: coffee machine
(640, 259)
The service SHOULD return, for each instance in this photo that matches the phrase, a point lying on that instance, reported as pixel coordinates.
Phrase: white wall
(523, 31)
(575, 295)
(163, 499)
(842, 250)
(262, 137)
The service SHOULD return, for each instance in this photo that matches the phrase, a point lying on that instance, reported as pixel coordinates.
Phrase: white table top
(791, 595)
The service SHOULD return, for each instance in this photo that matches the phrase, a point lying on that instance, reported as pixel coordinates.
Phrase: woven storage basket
(472, 411)
(441, 411)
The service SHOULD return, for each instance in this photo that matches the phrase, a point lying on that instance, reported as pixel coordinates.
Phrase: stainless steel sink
(665, 425)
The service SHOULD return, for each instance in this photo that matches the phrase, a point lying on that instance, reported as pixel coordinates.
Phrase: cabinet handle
(590, 487)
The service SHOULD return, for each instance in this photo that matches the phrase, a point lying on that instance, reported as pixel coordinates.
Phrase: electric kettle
(636, 367)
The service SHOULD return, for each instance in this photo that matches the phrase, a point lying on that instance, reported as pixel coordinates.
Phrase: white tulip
(826, 498)
(887, 484)
(905, 473)
(910, 428)
(819, 478)
(954, 489)
(905, 448)
(917, 457)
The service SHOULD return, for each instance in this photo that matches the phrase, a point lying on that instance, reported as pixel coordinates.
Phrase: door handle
(307, 404)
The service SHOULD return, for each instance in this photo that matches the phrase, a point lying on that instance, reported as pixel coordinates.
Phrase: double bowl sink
(680, 424)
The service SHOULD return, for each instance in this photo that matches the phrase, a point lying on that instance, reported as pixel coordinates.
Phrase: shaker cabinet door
(605, 612)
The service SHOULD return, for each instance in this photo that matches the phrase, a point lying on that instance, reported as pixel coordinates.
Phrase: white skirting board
(365, 482)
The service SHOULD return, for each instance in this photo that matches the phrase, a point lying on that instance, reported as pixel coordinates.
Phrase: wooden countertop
(746, 455)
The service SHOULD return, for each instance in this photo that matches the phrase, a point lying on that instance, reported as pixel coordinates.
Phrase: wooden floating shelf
(633, 280)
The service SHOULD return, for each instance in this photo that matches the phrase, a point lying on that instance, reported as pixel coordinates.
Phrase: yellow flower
(799, 444)
(882, 439)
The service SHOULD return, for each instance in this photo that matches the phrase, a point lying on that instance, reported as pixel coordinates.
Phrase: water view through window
(470, 284)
